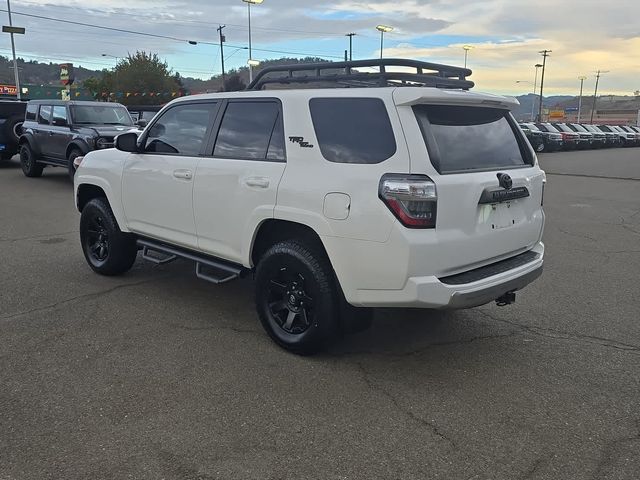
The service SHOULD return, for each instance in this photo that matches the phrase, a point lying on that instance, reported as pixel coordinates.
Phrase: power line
(166, 37)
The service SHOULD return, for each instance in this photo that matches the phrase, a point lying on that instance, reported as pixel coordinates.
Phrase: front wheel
(108, 250)
(296, 297)
(75, 153)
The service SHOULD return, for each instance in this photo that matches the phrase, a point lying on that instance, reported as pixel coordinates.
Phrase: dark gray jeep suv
(56, 132)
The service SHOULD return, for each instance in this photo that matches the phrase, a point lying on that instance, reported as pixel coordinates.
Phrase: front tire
(75, 153)
(30, 167)
(296, 297)
(106, 248)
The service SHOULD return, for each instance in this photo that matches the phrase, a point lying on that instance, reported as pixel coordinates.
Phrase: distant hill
(561, 102)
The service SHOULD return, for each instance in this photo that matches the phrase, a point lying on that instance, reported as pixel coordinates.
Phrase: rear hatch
(489, 186)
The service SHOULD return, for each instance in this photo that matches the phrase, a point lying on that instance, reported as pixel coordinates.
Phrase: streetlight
(112, 56)
(582, 78)
(595, 93)
(535, 84)
(383, 29)
(250, 61)
(466, 49)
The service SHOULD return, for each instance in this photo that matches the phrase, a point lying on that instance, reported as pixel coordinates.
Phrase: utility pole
(545, 54)
(222, 40)
(15, 62)
(595, 93)
(350, 35)
(582, 78)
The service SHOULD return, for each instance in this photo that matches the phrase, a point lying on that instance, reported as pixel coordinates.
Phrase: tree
(139, 73)
(234, 83)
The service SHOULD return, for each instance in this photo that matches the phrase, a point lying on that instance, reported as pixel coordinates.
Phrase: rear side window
(251, 131)
(353, 130)
(32, 110)
(461, 139)
(45, 114)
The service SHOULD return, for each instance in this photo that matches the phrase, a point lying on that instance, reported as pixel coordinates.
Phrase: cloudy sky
(506, 35)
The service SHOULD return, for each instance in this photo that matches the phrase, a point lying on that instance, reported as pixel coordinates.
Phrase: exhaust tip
(506, 299)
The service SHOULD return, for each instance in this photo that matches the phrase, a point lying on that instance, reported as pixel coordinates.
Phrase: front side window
(182, 129)
(44, 116)
(100, 115)
(59, 115)
(353, 130)
(251, 131)
(461, 139)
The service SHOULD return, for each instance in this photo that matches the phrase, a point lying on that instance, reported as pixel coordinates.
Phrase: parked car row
(56, 132)
(549, 137)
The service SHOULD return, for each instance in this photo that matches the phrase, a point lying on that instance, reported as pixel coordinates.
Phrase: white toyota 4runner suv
(403, 190)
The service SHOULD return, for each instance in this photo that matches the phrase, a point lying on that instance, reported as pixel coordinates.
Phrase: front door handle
(259, 182)
(184, 174)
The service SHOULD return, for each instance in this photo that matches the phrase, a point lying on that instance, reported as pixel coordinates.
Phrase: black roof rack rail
(426, 74)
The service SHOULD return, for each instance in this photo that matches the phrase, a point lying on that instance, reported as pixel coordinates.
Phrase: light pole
(222, 40)
(534, 95)
(582, 78)
(383, 29)
(595, 93)
(535, 84)
(545, 53)
(13, 30)
(251, 62)
(466, 49)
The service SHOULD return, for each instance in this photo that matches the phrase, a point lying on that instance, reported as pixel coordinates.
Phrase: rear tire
(106, 248)
(296, 296)
(30, 167)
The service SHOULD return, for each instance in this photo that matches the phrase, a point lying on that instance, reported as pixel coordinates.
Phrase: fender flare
(28, 138)
(79, 144)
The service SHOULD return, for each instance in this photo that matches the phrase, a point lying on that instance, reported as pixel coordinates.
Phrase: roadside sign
(8, 90)
(571, 109)
(66, 74)
(556, 114)
(11, 29)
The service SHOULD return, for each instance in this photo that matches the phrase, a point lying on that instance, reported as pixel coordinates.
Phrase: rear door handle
(259, 182)
(184, 174)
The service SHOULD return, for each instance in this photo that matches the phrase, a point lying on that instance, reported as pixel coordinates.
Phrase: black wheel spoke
(278, 287)
(278, 306)
(290, 319)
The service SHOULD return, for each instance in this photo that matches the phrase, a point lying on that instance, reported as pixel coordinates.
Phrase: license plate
(498, 215)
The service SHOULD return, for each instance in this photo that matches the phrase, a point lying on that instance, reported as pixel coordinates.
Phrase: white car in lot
(336, 199)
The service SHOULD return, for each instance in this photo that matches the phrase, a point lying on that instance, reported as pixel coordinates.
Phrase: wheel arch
(78, 145)
(97, 188)
(27, 138)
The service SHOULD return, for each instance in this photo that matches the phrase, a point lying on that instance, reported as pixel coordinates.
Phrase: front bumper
(433, 292)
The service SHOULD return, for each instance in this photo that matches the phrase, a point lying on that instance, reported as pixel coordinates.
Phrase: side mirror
(142, 123)
(127, 142)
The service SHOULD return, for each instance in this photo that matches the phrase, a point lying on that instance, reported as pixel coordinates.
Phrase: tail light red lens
(412, 199)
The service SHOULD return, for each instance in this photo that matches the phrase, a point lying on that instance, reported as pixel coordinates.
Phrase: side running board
(208, 268)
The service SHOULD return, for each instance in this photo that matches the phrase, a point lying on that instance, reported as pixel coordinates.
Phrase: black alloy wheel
(97, 240)
(289, 303)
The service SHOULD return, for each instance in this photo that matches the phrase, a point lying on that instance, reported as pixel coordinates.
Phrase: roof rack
(344, 74)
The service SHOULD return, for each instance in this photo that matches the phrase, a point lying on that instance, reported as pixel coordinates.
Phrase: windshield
(532, 127)
(100, 115)
(579, 128)
(563, 128)
(550, 128)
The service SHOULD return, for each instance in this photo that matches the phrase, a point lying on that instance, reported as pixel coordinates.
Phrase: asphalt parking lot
(159, 375)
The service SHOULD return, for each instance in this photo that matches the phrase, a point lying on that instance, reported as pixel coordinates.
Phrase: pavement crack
(432, 426)
(37, 237)
(85, 296)
(559, 334)
(579, 235)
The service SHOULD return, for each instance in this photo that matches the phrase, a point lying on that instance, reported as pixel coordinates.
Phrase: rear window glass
(353, 130)
(471, 138)
(32, 110)
(45, 114)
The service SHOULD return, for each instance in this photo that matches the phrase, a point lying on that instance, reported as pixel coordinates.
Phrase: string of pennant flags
(118, 94)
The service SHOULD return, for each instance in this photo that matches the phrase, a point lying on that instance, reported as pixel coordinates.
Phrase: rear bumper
(433, 292)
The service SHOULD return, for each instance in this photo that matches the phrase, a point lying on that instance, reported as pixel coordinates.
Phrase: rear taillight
(411, 198)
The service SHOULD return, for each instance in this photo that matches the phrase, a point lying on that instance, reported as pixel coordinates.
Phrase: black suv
(11, 118)
(56, 132)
